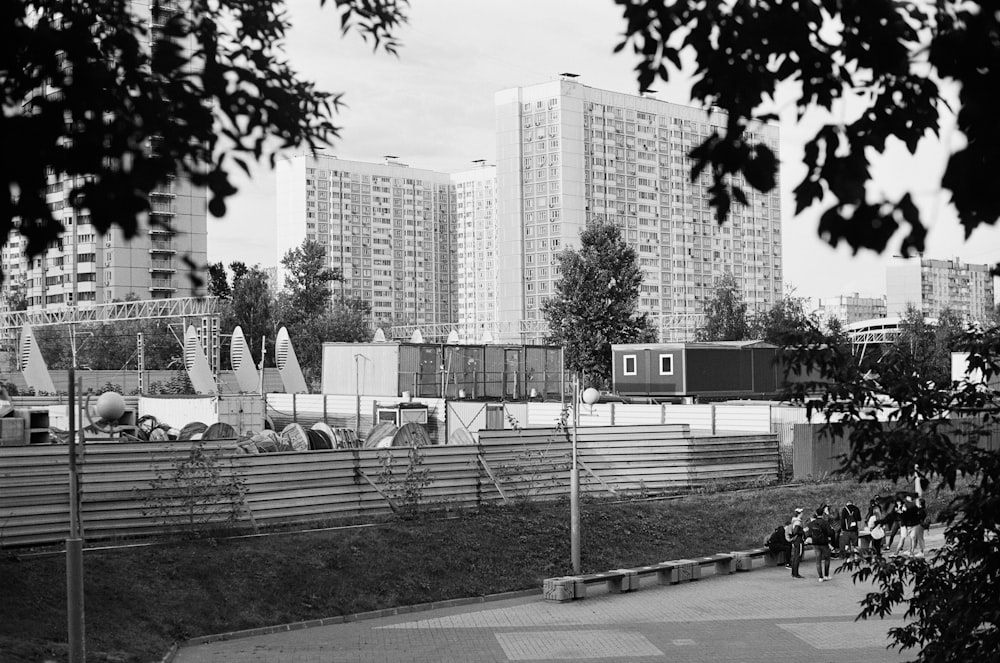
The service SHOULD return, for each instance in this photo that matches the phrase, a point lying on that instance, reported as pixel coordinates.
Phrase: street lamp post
(588, 396)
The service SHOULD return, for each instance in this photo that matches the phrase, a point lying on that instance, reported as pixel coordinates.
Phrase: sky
(433, 107)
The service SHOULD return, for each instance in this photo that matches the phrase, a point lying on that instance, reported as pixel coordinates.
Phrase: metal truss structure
(672, 326)
(149, 309)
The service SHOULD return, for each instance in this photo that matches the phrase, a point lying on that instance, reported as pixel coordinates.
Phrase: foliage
(199, 493)
(898, 419)
(251, 307)
(595, 303)
(726, 316)
(308, 280)
(783, 320)
(213, 90)
(404, 491)
(180, 383)
(928, 344)
(876, 64)
(111, 346)
(218, 282)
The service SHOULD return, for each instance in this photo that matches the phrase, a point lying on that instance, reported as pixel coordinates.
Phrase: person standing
(850, 518)
(908, 519)
(821, 534)
(796, 538)
(876, 529)
(917, 531)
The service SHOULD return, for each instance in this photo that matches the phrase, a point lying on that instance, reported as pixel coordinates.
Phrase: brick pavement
(764, 615)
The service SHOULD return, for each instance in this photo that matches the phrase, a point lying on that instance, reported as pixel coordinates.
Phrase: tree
(119, 118)
(252, 307)
(787, 317)
(879, 62)
(726, 317)
(308, 279)
(595, 303)
(218, 282)
(927, 344)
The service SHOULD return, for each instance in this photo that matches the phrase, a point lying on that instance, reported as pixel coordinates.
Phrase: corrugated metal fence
(125, 487)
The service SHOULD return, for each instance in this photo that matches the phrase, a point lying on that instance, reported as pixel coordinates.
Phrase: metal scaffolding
(149, 309)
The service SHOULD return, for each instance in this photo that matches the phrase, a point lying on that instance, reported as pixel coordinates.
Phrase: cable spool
(328, 432)
(219, 431)
(294, 437)
(318, 440)
(386, 429)
(191, 429)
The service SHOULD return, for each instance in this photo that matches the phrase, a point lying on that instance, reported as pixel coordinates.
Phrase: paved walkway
(764, 615)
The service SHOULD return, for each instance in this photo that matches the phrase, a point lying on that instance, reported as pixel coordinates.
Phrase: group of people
(900, 520)
(897, 524)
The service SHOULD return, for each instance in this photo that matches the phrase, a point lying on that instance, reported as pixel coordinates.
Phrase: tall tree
(308, 279)
(726, 317)
(252, 308)
(878, 65)
(595, 303)
(119, 118)
(218, 281)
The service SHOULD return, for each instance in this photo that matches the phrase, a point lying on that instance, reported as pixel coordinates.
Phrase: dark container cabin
(706, 370)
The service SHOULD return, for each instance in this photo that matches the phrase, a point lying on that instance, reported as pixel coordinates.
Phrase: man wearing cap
(796, 537)
(821, 534)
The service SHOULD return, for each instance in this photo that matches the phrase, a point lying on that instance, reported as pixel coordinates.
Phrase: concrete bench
(568, 588)
(743, 559)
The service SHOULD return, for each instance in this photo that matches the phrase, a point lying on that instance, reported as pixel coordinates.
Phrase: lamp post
(588, 396)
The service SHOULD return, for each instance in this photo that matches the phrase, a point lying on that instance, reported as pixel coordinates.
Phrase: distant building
(931, 286)
(477, 257)
(851, 308)
(569, 155)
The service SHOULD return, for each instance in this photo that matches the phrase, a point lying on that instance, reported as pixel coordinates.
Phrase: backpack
(814, 530)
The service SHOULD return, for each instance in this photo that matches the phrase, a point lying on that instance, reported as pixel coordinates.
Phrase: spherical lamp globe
(590, 396)
(110, 406)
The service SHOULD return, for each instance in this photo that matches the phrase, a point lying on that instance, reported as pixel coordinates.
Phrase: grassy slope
(140, 600)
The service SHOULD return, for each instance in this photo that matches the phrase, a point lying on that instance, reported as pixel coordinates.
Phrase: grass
(140, 600)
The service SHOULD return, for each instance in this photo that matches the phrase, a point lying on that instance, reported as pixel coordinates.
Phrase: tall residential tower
(569, 155)
(389, 228)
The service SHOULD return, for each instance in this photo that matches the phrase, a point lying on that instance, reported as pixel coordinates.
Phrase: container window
(628, 365)
(666, 364)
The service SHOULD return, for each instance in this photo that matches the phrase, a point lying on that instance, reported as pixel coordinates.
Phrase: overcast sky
(433, 108)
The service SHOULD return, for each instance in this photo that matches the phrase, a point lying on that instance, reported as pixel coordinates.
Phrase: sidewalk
(764, 615)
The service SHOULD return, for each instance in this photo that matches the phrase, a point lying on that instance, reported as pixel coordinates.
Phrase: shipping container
(429, 370)
(699, 370)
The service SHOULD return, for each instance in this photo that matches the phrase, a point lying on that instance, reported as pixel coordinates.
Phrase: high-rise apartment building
(389, 228)
(851, 308)
(569, 155)
(478, 259)
(934, 285)
(149, 265)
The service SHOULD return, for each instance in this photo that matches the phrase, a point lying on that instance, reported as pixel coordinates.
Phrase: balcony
(161, 266)
(161, 285)
(161, 247)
